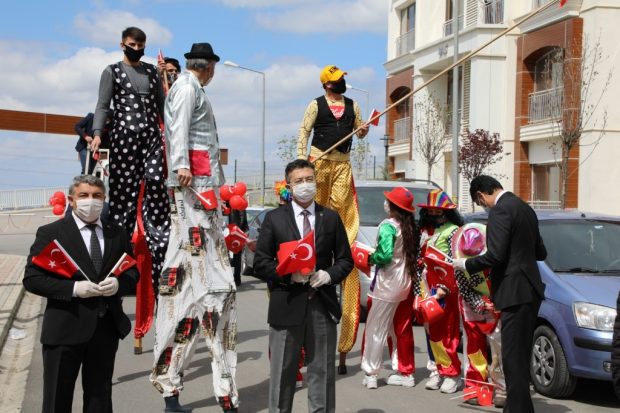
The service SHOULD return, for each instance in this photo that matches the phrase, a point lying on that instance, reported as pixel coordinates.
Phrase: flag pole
(438, 75)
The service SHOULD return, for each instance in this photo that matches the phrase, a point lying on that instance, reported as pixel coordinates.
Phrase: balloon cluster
(233, 194)
(58, 202)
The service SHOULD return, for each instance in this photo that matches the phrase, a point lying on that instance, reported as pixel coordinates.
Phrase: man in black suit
(513, 247)
(303, 310)
(84, 129)
(84, 318)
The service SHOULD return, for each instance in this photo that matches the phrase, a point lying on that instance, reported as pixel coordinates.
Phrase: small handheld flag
(55, 259)
(374, 117)
(297, 256)
(124, 263)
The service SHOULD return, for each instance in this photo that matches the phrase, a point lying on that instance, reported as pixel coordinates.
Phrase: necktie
(307, 227)
(95, 248)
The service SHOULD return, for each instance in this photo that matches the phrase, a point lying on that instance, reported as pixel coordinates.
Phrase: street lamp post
(367, 97)
(262, 151)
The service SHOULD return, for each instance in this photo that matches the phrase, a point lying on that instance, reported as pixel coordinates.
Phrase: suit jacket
(513, 247)
(71, 320)
(288, 301)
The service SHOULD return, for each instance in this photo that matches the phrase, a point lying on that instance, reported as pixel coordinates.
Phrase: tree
(579, 107)
(287, 149)
(479, 150)
(359, 154)
(430, 135)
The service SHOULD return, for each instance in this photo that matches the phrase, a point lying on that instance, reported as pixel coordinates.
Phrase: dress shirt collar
(81, 224)
(499, 196)
(297, 208)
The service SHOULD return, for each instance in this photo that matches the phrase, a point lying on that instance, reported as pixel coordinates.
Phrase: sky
(53, 54)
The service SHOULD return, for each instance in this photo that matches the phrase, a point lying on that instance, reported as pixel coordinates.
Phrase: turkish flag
(55, 259)
(430, 309)
(124, 263)
(208, 199)
(439, 268)
(562, 3)
(485, 396)
(297, 256)
(375, 114)
(361, 255)
(236, 239)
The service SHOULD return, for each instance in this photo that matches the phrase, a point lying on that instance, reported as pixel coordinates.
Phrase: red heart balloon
(226, 192)
(240, 188)
(238, 203)
(58, 209)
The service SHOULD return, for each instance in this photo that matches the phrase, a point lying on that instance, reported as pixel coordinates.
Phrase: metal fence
(546, 105)
(546, 204)
(405, 43)
(494, 12)
(27, 198)
(447, 26)
(402, 130)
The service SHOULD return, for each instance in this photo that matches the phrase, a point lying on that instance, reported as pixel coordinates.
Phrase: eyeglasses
(308, 179)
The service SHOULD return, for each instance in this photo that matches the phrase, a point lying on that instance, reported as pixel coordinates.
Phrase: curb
(11, 292)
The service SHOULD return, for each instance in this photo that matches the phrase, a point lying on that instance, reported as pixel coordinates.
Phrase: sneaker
(398, 379)
(433, 381)
(299, 384)
(450, 385)
(370, 381)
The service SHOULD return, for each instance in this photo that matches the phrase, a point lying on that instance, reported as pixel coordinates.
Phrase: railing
(405, 43)
(447, 26)
(546, 204)
(402, 130)
(546, 105)
(494, 12)
(26, 198)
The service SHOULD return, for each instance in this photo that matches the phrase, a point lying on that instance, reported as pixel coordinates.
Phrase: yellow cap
(331, 73)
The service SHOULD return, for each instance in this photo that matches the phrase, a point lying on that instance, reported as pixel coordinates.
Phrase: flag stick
(437, 76)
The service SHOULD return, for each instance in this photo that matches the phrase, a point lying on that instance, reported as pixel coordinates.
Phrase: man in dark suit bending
(303, 309)
(513, 247)
(84, 318)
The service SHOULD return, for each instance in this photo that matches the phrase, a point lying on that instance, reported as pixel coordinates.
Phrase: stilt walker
(332, 117)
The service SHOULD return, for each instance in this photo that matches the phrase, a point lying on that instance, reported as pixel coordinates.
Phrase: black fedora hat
(202, 51)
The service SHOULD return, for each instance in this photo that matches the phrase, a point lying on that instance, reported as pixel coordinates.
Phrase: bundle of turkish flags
(439, 268)
(361, 257)
(124, 263)
(297, 255)
(55, 259)
(236, 239)
(208, 199)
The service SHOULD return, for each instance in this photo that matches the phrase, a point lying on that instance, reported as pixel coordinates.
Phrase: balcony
(546, 105)
(402, 131)
(447, 26)
(405, 43)
(549, 205)
(493, 12)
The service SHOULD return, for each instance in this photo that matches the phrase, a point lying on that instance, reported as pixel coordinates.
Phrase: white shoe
(370, 381)
(398, 379)
(450, 385)
(433, 381)
(299, 384)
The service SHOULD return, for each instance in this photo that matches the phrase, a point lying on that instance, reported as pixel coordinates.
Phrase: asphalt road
(133, 392)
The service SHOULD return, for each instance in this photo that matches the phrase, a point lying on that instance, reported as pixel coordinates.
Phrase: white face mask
(88, 210)
(304, 192)
(386, 207)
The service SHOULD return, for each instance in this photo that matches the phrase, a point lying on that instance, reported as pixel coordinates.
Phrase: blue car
(575, 322)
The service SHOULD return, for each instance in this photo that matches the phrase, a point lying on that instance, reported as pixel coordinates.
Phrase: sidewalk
(11, 291)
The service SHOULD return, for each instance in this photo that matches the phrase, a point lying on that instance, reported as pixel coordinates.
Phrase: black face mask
(132, 54)
(437, 220)
(339, 87)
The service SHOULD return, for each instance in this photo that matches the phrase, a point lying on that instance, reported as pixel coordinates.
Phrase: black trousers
(518, 324)
(61, 365)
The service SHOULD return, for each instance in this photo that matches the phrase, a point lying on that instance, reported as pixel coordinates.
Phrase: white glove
(86, 289)
(297, 277)
(459, 264)
(319, 279)
(109, 286)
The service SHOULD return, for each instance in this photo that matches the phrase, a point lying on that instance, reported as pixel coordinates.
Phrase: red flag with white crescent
(124, 263)
(55, 259)
(208, 199)
(236, 239)
(361, 254)
(439, 268)
(297, 255)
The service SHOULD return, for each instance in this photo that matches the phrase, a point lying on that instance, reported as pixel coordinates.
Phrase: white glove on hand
(86, 289)
(297, 277)
(109, 286)
(459, 264)
(320, 278)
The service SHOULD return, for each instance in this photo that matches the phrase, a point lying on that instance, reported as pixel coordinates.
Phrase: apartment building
(517, 87)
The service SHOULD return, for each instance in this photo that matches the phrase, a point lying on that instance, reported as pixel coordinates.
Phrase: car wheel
(548, 366)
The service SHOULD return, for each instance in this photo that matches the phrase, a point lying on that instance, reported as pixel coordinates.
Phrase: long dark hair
(451, 215)
(411, 238)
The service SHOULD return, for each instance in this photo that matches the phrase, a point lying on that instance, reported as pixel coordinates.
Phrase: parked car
(247, 259)
(573, 335)
(370, 201)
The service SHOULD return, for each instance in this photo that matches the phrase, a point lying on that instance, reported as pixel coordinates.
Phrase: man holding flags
(196, 289)
(303, 252)
(82, 266)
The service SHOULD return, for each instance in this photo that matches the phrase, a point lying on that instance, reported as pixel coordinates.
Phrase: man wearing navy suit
(84, 318)
(513, 247)
(303, 310)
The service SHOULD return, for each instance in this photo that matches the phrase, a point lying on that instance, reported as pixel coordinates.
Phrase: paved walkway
(11, 291)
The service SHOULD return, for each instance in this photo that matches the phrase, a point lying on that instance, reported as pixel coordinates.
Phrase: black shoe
(342, 369)
(172, 405)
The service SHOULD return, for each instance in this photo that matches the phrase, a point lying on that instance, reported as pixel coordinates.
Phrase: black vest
(328, 130)
(132, 111)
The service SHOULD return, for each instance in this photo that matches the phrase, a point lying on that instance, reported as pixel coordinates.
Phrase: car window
(258, 220)
(582, 245)
(370, 201)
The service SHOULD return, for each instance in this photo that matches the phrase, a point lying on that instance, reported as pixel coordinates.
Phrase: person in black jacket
(240, 219)
(513, 247)
(303, 310)
(615, 351)
(84, 317)
(84, 129)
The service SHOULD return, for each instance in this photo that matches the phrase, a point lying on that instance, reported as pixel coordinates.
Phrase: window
(546, 182)
(548, 70)
(407, 19)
